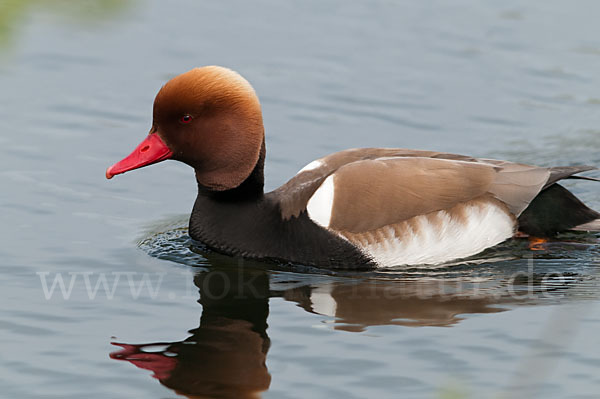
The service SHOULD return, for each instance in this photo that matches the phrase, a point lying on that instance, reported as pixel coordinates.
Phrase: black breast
(255, 229)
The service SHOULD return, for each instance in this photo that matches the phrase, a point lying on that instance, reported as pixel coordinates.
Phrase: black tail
(555, 210)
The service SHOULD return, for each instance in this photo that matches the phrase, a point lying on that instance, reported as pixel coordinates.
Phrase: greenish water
(140, 299)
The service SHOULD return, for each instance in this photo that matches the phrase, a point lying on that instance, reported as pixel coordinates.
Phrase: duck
(361, 208)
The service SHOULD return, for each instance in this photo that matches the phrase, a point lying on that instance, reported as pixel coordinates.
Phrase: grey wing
(514, 184)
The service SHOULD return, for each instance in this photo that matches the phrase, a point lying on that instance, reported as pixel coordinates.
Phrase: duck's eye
(186, 119)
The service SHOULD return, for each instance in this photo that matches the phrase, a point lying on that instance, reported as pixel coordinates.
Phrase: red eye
(186, 119)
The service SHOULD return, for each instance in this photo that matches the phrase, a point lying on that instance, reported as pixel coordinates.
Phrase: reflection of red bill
(157, 362)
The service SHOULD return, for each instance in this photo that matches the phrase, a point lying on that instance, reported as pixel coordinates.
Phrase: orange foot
(537, 244)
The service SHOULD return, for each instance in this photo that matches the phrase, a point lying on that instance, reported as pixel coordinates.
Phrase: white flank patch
(311, 166)
(440, 238)
(319, 206)
(322, 302)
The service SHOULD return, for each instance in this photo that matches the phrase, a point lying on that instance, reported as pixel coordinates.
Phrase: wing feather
(375, 187)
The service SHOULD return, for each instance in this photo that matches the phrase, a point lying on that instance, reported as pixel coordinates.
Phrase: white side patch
(311, 166)
(437, 237)
(322, 302)
(320, 205)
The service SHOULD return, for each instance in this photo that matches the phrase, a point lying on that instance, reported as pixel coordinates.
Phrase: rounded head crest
(211, 119)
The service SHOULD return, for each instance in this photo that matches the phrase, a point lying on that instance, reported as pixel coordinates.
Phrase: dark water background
(507, 79)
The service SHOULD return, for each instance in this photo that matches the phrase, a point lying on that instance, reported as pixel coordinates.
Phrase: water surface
(141, 300)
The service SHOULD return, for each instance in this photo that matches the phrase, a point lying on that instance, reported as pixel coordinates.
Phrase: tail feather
(566, 172)
(583, 178)
(594, 225)
(555, 210)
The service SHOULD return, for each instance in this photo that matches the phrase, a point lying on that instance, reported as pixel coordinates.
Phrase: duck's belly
(438, 237)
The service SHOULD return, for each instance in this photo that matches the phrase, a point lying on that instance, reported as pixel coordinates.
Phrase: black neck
(245, 221)
(251, 189)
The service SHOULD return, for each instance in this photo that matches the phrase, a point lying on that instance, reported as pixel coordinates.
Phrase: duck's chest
(256, 229)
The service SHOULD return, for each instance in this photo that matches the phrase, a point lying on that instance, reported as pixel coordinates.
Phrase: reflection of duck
(225, 356)
(359, 208)
(357, 305)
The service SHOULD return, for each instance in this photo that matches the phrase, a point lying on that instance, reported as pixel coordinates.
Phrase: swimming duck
(355, 209)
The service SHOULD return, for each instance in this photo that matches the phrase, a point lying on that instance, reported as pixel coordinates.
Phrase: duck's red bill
(149, 151)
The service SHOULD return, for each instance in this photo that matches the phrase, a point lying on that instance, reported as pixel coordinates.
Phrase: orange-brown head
(210, 118)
